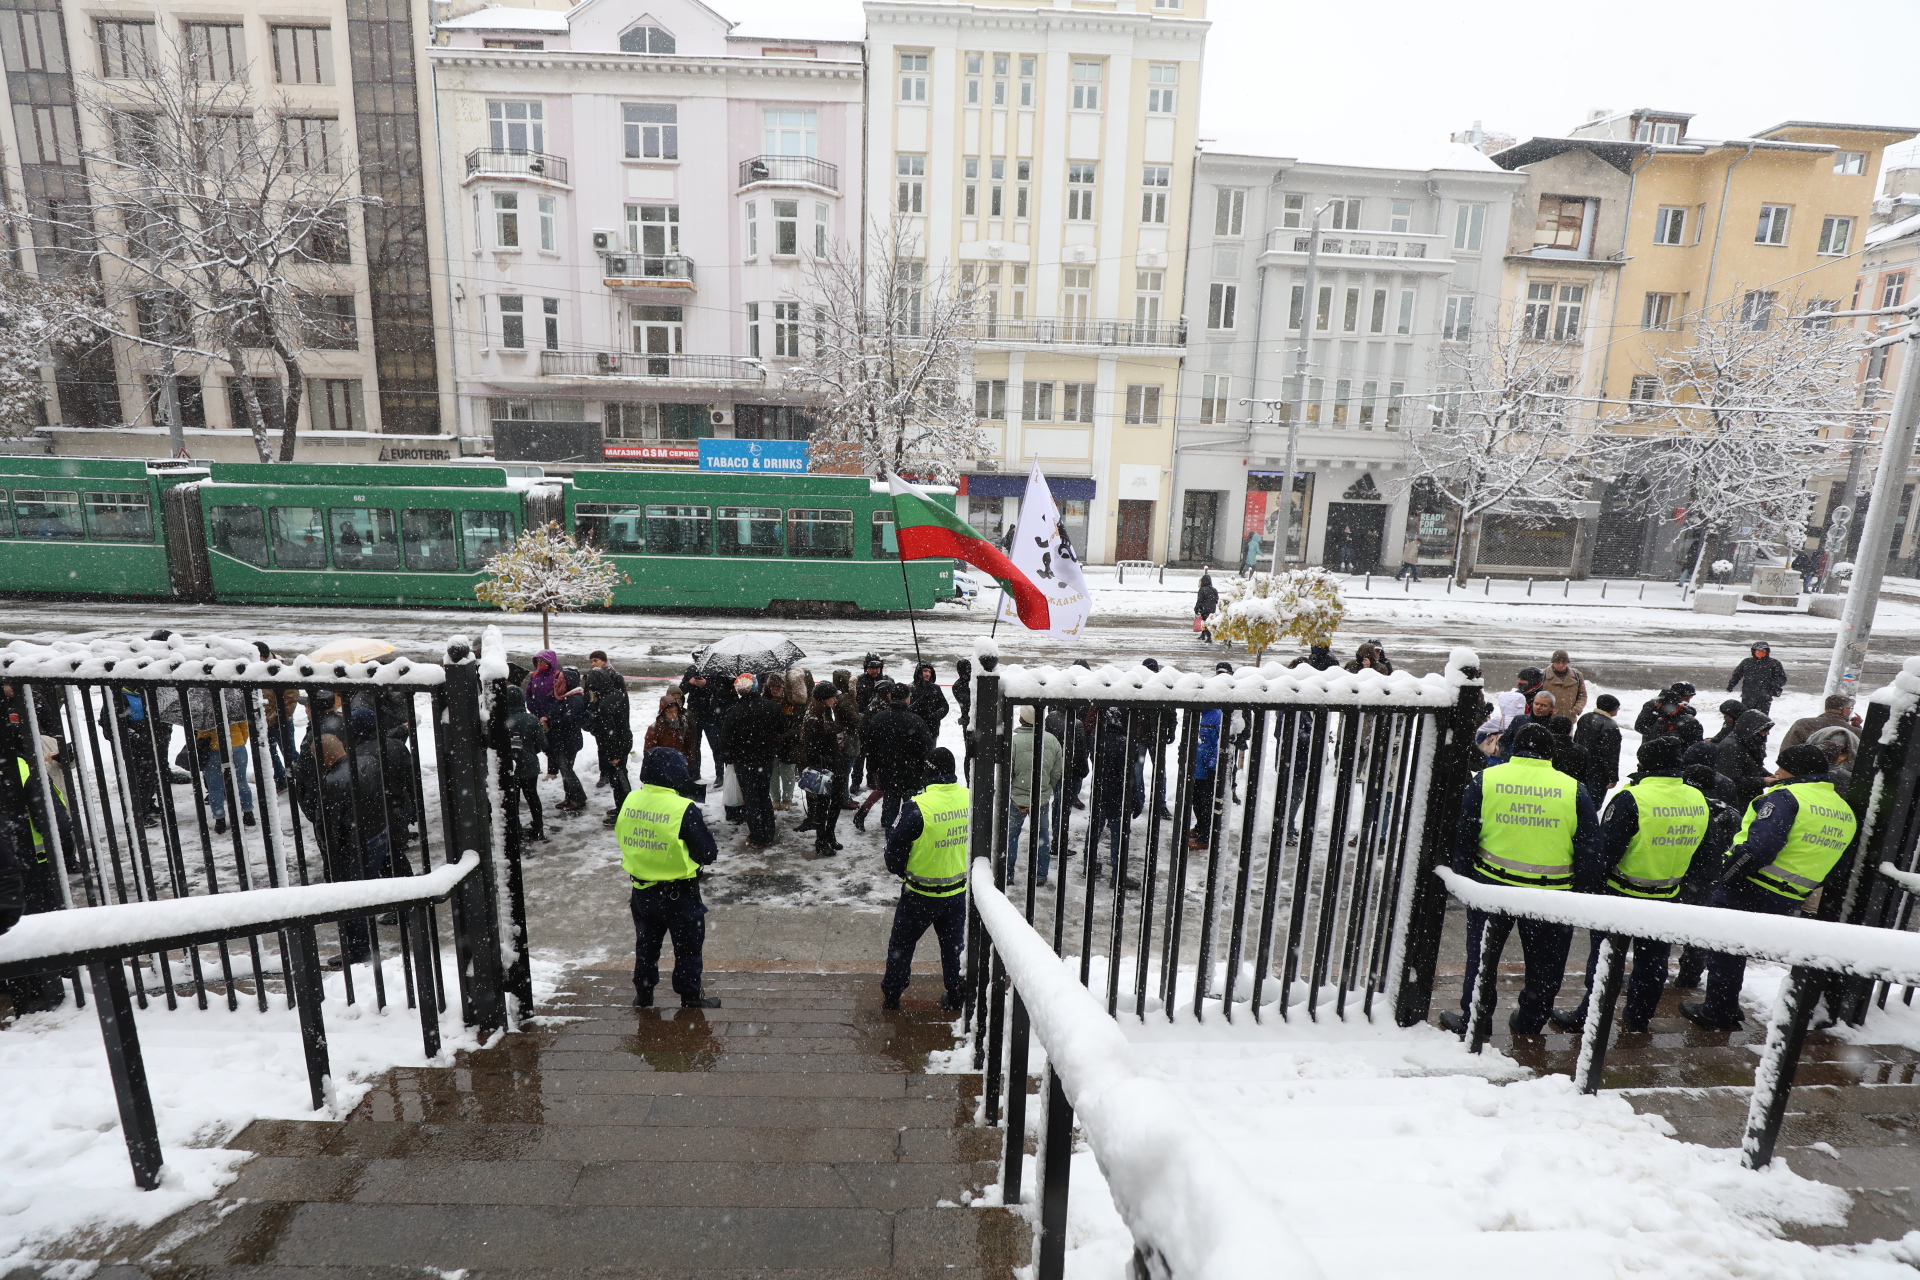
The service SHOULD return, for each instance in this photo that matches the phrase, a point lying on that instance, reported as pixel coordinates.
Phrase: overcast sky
(1387, 69)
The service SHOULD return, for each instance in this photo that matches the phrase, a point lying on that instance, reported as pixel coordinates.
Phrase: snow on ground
(63, 1160)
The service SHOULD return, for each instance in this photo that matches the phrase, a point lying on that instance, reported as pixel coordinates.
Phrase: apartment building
(1408, 280)
(352, 77)
(1631, 227)
(632, 193)
(1889, 275)
(1047, 149)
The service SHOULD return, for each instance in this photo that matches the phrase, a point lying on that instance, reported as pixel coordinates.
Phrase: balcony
(1360, 244)
(1081, 333)
(792, 170)
(631, 366)
(483, 162)
(646, 271)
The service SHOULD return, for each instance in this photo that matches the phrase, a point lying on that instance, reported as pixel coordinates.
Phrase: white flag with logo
(1042, 550)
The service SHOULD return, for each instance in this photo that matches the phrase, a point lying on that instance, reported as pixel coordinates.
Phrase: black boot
(1568, 1019)
(1455, 1021)
(699, 1002)
(643, 999)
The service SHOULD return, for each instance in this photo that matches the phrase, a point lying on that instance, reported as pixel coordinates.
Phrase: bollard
(1487, 585)
(1529, 588)
(1123, 574)
(1449, 584)
(1643, 591)
(1368, 584)
(1163, 573)
(1603, 588)
(1409, 590)
(1566, 585)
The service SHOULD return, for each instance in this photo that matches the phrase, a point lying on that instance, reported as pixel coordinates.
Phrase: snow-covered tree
(1303, 605)
(1757, 398)
(545, 569)
(38, 318)
(215, 227)
(1498, 438)
(889, 358)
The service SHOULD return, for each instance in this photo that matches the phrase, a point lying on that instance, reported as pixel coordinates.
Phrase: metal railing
(516, 164)
(817, 173)
(1363, 244)
(645, 267)
(628, 364)
(1084, 333)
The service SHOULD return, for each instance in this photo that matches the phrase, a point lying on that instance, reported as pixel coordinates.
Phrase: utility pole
(1896, 453)
(1309, 313)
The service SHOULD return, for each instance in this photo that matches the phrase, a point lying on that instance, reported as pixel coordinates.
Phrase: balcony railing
(628, 364)
(1082, 333)
(817, 173)
(1364, 244)
(516, 164)
(667, 268)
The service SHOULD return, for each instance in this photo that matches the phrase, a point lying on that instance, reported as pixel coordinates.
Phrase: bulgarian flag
(927, 530)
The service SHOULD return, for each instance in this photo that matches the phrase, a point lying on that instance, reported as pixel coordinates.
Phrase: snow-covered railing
(102, 938)
(1816, 951)
(1248, 686)
(1188, 1207)
(208, 660)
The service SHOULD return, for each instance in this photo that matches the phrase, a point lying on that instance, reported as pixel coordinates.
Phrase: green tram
(86, 526)
(421, 535)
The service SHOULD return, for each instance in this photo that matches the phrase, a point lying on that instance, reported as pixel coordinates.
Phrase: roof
(1887, 234)
(500, 18)
(1620, 154)
(1342, 149)
(1906, 131)
(836, 20)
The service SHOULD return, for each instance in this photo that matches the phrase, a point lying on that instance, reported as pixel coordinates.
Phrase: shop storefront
(993, 503)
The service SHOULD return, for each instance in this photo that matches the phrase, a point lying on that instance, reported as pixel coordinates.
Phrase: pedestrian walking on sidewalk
(1206, 601)
(1409, 560)
(927, 848)
(1759, 677)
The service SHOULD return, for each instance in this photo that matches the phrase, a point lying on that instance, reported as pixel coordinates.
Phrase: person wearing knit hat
(1795, 835)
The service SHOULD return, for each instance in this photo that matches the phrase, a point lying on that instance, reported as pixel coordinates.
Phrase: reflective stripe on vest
(1528, 812)
(937, 863)
(1673, 821)
(1823, 827)
(648, 830)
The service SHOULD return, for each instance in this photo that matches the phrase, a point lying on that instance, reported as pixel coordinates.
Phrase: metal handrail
(1083, 333)
(1379, 244)
(806, 169)
(505, 162)
(628, 364)
(645, 266)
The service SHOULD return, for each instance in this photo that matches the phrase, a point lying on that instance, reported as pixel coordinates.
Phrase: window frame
(1775, 219)
(1143, 404)
(801, 520)
(115, 64)
(285, 39)
(753, 548)
(1829, 225)
(654, 125)
(1086, 87)
(1670, 225)
(1469, 227)
(1223, 302)
(1230, 211)
(1163, 88)
(501, 124)
(914, 75)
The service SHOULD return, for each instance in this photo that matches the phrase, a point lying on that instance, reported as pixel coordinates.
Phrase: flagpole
(907, 589)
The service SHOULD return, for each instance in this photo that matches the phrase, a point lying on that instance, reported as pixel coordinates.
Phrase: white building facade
(1409, 275)
(632, 193)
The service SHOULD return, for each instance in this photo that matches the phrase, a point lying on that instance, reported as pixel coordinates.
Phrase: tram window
(679, 531)
(431, 547)
(886, 543)
(612, 527)
(485, 534)
(821, 535)
(6, 516)
(240, 532)
(364, 538)
(299, 539)
(119, 517)
(749, 531)
(47, 513)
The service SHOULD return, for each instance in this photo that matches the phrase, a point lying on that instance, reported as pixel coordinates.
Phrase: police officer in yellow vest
(1653, 828)
(927, 848)
(663, 844)
(37, 888)
(1525, 823)
(1794, 835)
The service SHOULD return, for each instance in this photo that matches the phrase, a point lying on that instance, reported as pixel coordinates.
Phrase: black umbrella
(747, 652)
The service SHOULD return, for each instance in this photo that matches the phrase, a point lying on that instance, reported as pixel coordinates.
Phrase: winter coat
(850, 714)
(1807, 726)
(344, 804)
(1759, 679)
(668, 733)
(1742, 757)
(1652, 722)
(1368, 649)
(1206, 600)
(927, 701)
(1723, 789)
(1569, 691)
(1410, 553)
(541, 699)
(898, 744)
(569, 715)
(1052, 765)
(1111, 765)
(1206, 752)
(707, 704)
(1319, 657)
(522, 740)
(791, 750)
(963, 690)
(822, 740)
(865, 689)
(753, 730)
(279, 705)
(609, 713)
(1599, 736)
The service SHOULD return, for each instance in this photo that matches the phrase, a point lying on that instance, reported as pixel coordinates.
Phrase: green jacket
(1052, 765)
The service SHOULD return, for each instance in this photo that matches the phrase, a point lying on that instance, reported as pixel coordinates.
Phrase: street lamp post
(1309, 304)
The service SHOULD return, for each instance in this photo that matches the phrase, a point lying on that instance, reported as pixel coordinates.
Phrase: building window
(513, 321)
(913, 77)
(1293, 210)
(216, 51)
(1229, 212)
(1323, 308)
(910, 297)
(1294, 305)
(1156, 178)
(1669, 225)
(1645, 388)
(753, 229)
(1893, 289)
(550, 320)
(310, 143)
(1406, 312)
(1350, 316)
(1086, 86)
(1660, 133)
(786, 227)
(658, 331)
(652, 130)
(1148, 289)
(1214, 398)
(1345, 213)
(337, 404)
(549, 237)
(969, 191)
(653, 230)
(786, 329)
(506, 220)
(646, 39)
(517, 126)
(525, 46)
(1657, 312)
(1377, 320)
(791, 132)
(1222, 301)
(1080, 190)
(1023, 175)
(1537, 321)
(1756, 308)
(1562, 224)
(997, 202)
(974, 63)
(1143, 404)
(1076, 300)
(1162, 91)
(1850, 162)
(821, 216)
(753, 329)
(911, 194)
(1835, 235)
(1773, 224)
(1566, 312)
(1459, 324)
(990, 398)
(1402, 219)
(302, 55)
(1469, 227)
(1036, 401)
(1076, 402)
(1000, 66)
(126, 50)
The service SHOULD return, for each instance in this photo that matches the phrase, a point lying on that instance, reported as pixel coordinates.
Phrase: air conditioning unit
(722, 417)
(606, 240)
(607, 362)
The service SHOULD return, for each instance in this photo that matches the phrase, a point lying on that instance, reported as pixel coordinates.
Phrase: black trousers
(369, 862)
(528, 789)
(1545, 948)
(1644, 986)
(1726, 973)
(756, 797)
(613, 767)
(668, 911)
(913, 916)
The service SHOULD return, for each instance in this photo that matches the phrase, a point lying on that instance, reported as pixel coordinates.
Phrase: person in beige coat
(1567, 685)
